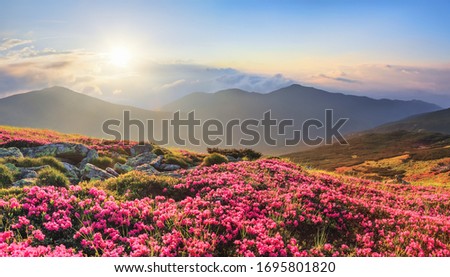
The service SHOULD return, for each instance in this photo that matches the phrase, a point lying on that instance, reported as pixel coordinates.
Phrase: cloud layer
(150, 84)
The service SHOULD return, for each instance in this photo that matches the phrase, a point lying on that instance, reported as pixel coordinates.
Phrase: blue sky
(395, 49)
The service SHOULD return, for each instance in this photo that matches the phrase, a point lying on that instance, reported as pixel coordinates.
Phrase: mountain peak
(234, 91)
(57, 89)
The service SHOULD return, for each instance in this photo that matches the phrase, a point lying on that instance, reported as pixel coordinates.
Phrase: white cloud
(8, 43)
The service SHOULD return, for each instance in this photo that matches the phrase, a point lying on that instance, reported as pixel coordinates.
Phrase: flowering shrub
(27, 137)
(261, 208)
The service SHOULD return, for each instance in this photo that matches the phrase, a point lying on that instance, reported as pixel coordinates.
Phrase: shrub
(35, 162)
(214, 158)
(139, 185)
(119, 159)
(247, 153)
(6, 177)
(103, 162)
(53, 162)
(161, 151)
(171, 159)
(52, 177)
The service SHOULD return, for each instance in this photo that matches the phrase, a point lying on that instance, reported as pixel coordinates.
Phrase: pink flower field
(267, 207)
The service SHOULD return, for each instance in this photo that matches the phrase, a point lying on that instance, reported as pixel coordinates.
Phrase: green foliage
(53, 162)
(214, 158)
(119, 159)
(8, 193)
(139, 185)
(246, 154)
(35, 162)
(172, 159)
(6, 177)
(52, 177)
(161, 151)
(103, 162)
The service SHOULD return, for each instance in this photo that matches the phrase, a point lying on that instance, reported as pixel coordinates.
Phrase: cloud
(428, 83)
(8, 43)
(339, 79)
(149, 84)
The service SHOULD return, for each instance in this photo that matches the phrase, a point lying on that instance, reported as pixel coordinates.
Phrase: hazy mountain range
(64, 110)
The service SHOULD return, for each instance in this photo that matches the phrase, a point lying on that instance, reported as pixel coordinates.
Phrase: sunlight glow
(120, 57)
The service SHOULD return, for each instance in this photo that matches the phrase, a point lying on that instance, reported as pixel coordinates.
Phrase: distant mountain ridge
(67, 111)
(64, 110)
(438, 121)
(300, 103)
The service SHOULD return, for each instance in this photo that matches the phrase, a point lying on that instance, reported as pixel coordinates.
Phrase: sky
(147, 53)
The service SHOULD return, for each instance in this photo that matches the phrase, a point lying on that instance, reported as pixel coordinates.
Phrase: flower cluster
(260, 208)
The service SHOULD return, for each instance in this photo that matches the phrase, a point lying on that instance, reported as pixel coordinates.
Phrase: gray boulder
(25, 182)
(91, 172)
(91, 155)
(144, 158)
(156, 163)
(139, 149)
(112, 171)
(10, 152)
(72, 172)
(122, 168)
(148, 169)
(70, 151)
(169, 167)
(27, 173)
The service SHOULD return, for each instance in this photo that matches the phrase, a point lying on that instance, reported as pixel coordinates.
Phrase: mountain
(64, 110)
(299, 103)
(438, 121)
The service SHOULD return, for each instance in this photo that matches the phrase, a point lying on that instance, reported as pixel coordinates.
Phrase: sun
(120, 57)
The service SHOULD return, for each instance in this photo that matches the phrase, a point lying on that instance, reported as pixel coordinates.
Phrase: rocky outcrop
(140, 149)
(169, 167)
(122, 168)
(148, 169)
(25, 182)
(69, 151)
(72, 172)
(91, 172)
(112, 172)
(10, 152)
(144, 158)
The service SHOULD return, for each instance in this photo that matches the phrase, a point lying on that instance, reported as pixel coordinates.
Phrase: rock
(27, 173)
(169, 167)
(91, 155)
(139, 149)
(232, 159)
(170, 174)
(91, 172)
(122, 168)
(10, 152)
(70, 151)
(156, 163)
(72, 172)
(144, 158)
(112, 171)
(25, 182)
(150, 170)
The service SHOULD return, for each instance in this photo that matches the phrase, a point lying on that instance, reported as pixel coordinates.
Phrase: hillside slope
(438, 121)
(63, 110)
(418, 157)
